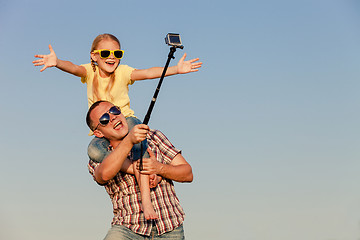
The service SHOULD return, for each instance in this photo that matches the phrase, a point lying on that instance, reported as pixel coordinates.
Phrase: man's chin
(122, 138)
(121, 134)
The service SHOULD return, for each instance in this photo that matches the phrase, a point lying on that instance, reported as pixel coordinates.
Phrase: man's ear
(98, 133)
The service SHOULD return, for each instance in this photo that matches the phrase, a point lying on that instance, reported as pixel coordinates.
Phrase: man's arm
(178, 170)
(128, 168)
(113, 163)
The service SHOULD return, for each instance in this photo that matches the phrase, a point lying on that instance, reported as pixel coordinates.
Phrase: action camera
(173, 39)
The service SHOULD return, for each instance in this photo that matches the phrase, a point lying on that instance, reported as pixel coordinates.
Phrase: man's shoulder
(155, 134)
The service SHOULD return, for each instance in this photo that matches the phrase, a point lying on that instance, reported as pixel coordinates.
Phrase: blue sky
(270, 124)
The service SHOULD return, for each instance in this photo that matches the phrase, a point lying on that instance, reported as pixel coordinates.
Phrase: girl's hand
(188, 66)
(47, 61)
(154, 180)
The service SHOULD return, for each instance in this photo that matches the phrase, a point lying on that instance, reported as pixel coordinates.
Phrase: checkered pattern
(125, 193)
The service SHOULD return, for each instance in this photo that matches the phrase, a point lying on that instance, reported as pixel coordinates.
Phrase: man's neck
(115, 143)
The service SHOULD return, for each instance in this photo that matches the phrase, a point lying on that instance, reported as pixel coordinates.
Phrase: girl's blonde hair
(97, 40)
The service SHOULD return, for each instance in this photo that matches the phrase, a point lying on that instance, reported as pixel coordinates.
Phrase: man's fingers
(143, 126)
(140, 131)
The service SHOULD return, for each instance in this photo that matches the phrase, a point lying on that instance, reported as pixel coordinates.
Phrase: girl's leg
(147, 207)
(136, 150)
(98, 149)
(142, 179)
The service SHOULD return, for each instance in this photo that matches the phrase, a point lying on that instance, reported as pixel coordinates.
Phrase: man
(114, 172)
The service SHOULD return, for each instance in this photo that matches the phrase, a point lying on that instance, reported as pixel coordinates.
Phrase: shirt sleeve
(92, 166)
(167, 150)
(126, 72)
(89, 70)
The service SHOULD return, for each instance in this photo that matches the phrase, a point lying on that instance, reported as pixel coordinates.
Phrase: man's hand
(188, 66)
(150, 165)
(138, 133)
(49, 60)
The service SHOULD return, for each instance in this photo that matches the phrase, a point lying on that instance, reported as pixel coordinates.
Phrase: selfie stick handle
(147, 116)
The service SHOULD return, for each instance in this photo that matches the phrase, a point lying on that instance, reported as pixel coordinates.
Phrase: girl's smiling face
(106, 65)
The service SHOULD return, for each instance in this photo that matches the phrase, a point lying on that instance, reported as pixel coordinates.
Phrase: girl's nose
(112, 55)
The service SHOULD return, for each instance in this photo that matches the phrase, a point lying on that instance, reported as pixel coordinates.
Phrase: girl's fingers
(39, 56)
(151, 154)
(50, 48)
(38, 61)
(194, 60)
(183, 57)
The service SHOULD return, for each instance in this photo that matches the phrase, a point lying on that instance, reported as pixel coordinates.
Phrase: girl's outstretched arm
(188, 66)
(51, 60)
(155, 72)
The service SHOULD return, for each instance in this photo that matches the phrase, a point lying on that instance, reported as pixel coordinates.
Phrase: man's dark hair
(89, 122)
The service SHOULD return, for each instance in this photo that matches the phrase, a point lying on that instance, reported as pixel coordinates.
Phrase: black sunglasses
(105, 118)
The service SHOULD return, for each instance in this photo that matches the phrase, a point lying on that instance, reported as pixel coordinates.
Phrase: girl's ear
(93, 57)
(98, 133)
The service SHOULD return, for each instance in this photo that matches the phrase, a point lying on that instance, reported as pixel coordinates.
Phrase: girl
(107, 80)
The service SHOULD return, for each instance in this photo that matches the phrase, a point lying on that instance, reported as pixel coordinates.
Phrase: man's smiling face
(117, 127)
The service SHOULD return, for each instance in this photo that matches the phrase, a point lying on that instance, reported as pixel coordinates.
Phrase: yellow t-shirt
(119, 92)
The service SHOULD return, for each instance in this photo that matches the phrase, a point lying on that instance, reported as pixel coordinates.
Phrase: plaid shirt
(125, 193)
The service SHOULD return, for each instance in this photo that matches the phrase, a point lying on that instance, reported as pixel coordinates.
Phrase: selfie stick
(171, 55)
(152, 103)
